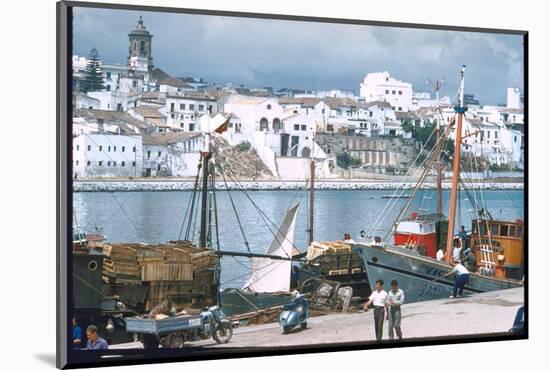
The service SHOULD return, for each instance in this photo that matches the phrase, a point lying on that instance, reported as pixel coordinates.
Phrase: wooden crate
(167, 272)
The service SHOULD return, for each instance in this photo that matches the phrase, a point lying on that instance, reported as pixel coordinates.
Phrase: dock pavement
(484, 313)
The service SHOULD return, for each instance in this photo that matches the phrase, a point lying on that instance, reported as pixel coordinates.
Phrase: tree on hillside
(344, 160)
(93, 74)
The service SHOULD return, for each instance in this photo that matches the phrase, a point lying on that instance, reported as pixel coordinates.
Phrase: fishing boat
(498, 245)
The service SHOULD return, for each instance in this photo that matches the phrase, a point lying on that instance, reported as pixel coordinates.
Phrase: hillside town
(134, 120)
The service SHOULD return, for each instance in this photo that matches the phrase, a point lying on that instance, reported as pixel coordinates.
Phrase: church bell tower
(139, 48)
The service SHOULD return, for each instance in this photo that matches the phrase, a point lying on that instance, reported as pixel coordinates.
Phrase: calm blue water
(155, 217)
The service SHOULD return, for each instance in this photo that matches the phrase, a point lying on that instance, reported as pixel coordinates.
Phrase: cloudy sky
(259, 52)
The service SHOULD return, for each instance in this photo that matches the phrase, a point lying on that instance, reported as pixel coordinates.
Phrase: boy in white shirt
(396, 297)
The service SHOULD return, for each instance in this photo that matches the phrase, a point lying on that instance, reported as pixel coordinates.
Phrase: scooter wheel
(287, 329)
(223, 332)
(303, 325)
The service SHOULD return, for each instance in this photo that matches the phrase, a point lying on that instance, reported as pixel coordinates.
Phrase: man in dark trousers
(378, 299)
(396, 297)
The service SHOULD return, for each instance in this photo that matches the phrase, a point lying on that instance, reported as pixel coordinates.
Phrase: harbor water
(156, 217)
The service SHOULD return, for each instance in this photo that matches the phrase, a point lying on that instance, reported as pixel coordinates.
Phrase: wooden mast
(459, 109)
(438, 137)
(204, 196)
(311, 197)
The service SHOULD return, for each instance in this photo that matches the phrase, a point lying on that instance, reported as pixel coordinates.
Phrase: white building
(424, 100)
(282, 137)
(105, 121)
(184, 111)
(172, 154)
(382, 87)
(172, 85)
(83, 101)
(107, 155)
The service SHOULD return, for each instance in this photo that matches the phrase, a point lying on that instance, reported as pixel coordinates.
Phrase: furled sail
(274, 275)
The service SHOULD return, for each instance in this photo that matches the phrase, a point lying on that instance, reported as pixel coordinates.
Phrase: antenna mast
(459, 109)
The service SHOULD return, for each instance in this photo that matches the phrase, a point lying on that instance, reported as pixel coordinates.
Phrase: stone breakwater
(110, 185)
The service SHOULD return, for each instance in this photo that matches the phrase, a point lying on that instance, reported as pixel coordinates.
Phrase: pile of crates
(144, 275)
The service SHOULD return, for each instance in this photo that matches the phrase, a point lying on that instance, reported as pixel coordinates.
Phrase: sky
(307, 55)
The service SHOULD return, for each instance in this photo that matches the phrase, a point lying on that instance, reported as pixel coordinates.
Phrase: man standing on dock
(378, 298)
(396, 297)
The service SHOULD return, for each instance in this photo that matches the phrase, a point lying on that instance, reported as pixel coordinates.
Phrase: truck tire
(149, 341)
(176, 340)
(223, 332)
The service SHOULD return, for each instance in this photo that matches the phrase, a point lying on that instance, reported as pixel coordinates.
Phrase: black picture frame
(70, 359)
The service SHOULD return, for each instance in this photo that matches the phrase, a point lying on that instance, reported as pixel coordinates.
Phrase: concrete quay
(484, 313)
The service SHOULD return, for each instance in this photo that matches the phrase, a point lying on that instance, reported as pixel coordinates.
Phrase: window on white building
(515, 141)
(399, 108)
(77, 159)
(101, 148)
(488, 134)
(108, 88)
(201, 107)
(109, 148)
(148, 154)
(108, 163)
(400, 92)
(133, 164)
(160, 153)
(123, 164)
(393, 92)
(77, 148)
(123, 148)
(134, 149)
(100, 163)
(191, 106)
(496, 134)
(114, 148)
(88, 163)
(182, 106)
(89, 147)
(303, 127)
(296, 127)
(387, 92)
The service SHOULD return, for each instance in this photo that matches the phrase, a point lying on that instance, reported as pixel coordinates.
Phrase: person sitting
(94, 340)
(469, 259)
(348, 239)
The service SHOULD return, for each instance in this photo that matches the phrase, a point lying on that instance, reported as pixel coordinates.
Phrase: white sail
(274, 275)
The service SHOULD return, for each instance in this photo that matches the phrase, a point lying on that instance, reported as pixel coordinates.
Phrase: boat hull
(421, 277)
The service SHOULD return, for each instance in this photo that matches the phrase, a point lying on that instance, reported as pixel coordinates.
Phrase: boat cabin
(499, 243)
(426, 233)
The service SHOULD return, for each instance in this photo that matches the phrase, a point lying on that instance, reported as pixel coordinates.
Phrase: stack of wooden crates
(144, 275)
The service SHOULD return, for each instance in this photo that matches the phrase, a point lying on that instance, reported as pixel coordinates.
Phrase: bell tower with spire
(139, 48)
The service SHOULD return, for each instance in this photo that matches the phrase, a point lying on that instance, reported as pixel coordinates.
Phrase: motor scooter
(294, 313)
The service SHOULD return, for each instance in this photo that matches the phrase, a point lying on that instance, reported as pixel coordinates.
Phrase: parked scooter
(294, 313)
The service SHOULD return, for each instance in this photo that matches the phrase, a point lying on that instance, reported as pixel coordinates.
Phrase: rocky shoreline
(186, 185)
